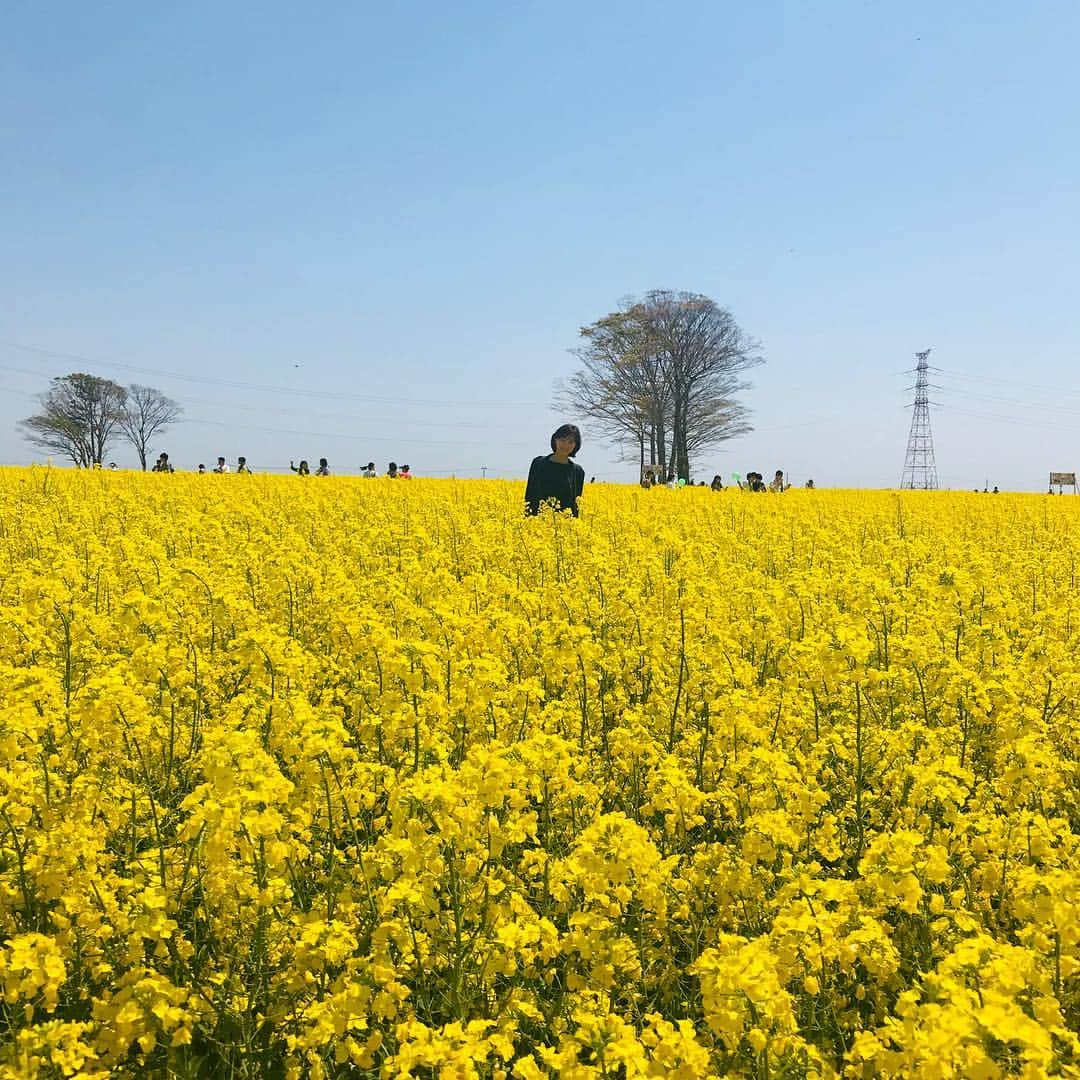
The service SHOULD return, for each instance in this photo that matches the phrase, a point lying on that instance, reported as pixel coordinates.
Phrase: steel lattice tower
(920, 470)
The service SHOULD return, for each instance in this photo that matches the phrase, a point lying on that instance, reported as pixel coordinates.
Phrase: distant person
(301, 469)
(324, 468)
(777, 483)
(391, 470)
(242, 465)
(810, 483)
(221, 466)
(754, 482)
(554, 478)
(163, 463)
(717, 483)
(201, 469)
(112, 466)
(369, 472)
(404, 473)
(994, 492)
(647, 479)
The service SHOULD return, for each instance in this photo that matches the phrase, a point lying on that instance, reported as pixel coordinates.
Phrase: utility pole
(483, 472)
(920, 469)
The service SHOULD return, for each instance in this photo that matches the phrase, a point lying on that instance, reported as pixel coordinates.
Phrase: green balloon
(736, 476)
(682, 482)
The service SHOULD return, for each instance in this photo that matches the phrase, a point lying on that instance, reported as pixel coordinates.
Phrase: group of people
(554, 479)
(557, 480)
(393, 471)
(753, 482)
(163, 464)
(303, 469)
(756, 482)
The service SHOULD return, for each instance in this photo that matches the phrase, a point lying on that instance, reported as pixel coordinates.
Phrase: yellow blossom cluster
(384, 779)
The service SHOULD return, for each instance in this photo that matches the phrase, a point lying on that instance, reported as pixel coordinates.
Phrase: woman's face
(564, 445)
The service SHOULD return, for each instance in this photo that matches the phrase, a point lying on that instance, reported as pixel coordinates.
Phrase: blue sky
(397, 217)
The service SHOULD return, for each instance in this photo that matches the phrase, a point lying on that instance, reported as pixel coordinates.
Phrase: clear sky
(373, 231)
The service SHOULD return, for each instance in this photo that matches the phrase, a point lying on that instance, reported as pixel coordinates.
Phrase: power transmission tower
(920, 470)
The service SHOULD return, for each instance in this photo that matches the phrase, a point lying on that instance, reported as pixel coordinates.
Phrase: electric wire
(292, 391)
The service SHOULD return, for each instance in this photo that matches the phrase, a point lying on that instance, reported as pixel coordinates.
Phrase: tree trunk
(678, 441)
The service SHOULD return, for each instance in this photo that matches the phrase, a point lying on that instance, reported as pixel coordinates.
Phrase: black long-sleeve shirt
(550, 480)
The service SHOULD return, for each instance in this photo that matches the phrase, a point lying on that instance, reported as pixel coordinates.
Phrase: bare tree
(147, 412)
(703, 353)
(662, 374)
(619, 386)
(79, 417)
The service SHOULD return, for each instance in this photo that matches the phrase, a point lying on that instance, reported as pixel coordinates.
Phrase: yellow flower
(393, 779)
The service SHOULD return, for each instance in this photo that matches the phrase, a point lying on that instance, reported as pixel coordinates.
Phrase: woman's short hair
(567, 431)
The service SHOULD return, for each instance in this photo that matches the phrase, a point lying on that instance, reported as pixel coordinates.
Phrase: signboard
(1063, 480)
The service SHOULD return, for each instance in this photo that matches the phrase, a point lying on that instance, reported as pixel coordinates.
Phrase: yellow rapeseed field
(306, 777)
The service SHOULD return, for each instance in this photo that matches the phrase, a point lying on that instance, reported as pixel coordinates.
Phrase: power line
(997, 399)
(265, 388)
(1011, 382)
(398, 439)
(347, 418)
(1020, 420)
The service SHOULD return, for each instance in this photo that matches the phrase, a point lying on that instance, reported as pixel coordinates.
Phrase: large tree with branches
(80, 417)
(621, 385)
(146, 413)
(662, 375)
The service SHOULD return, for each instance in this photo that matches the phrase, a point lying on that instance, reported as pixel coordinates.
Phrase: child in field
(302, 469)
(323, 469)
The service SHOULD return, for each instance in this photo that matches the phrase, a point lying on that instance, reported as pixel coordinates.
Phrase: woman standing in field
(554, 478)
